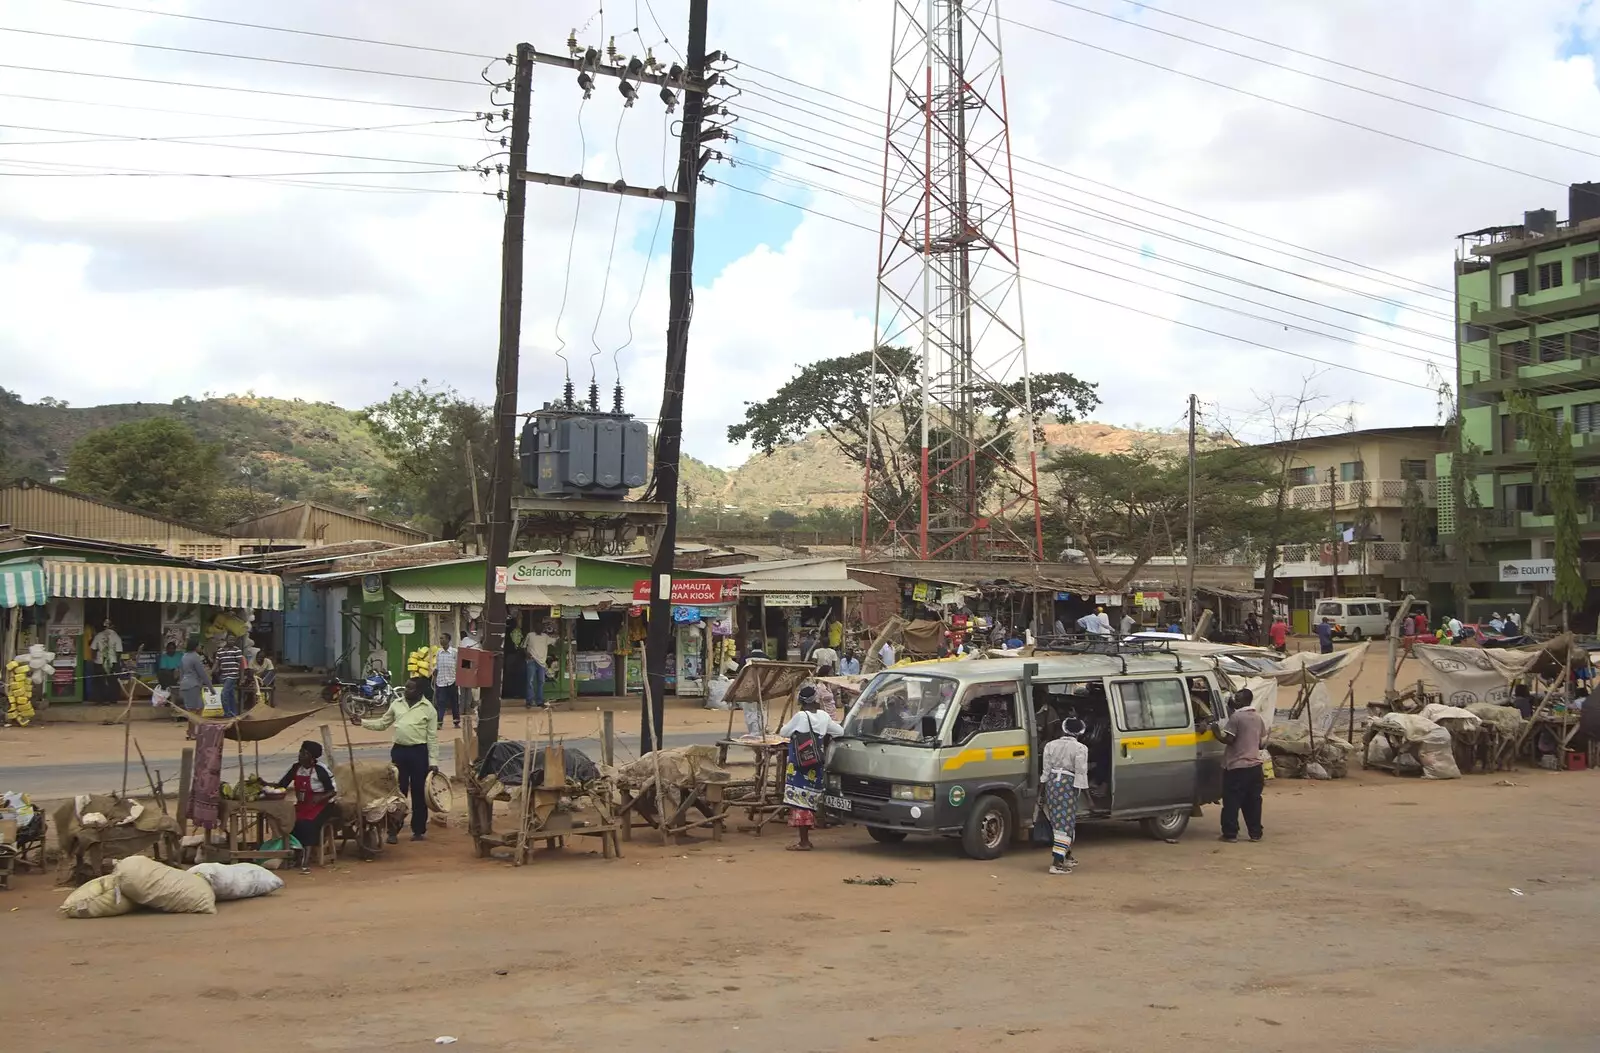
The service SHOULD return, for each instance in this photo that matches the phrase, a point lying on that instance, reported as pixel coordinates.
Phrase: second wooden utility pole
(669, 429)
(1188, 598)
(503, 474)
(1333, 520)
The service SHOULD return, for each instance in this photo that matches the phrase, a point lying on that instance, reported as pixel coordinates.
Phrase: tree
(781, 519)
(1135, 504)
(1551, 441)
(873, 417)
(431, 436)
(156, 464)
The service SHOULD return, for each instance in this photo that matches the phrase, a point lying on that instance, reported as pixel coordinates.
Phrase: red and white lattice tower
(959, 485)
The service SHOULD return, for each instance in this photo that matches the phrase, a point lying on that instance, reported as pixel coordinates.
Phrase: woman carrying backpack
(808, 732)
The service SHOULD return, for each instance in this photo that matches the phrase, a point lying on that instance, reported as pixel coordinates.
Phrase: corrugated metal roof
(517, 595)
(819, 586)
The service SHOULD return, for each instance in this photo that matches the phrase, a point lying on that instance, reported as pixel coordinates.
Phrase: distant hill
(292, 448)
(315, 450)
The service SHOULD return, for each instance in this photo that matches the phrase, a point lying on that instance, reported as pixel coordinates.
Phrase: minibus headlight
(911, 792)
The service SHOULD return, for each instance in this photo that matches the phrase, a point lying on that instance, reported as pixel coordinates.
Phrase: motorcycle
(370, 697)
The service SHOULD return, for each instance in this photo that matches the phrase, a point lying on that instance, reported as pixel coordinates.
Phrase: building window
(1586, 268)
(1351, 471)
(1586, 418)
(1552, 348)
(1302, 476)
(1410, 469)
(1512, 285)
(1550, 275)
(1585, 343)
(1518, 497)
(1513, 356)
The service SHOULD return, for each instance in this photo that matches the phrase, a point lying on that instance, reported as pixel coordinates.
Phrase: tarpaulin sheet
(1465, 675)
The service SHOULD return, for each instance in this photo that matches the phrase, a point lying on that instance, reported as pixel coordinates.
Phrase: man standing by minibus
(1244, 732)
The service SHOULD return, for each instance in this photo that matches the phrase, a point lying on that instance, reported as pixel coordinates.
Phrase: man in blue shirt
(1324, 632)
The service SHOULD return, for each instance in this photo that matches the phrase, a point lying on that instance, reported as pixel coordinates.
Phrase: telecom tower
(950, 482)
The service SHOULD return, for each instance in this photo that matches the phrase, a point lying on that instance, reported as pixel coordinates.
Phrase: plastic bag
(1379, 751)
(1438, 756)
(213, 703)
(1315, 770)
(716, 692)
(160, 696)
(100, 898)
(160, 887)
(238, 880)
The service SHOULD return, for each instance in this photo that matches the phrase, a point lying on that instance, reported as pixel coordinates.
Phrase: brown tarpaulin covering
(923, 637)
(250, 727)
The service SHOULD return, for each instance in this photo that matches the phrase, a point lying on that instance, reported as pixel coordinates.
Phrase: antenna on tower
(948, 318)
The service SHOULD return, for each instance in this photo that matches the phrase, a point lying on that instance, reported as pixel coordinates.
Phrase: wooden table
(250, 825)
(1564, 725)
(765, 801)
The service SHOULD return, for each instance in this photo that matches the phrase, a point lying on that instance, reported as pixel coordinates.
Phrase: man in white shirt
(1130, 625)
(825, 656)
(886, 654)
(536, 645)
(445, 693)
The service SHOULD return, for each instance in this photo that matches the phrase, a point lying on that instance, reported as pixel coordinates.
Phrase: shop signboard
(919, 592)
(427, 608)
(693, 592)
(372, 586)
(405, 624)
(501, 574)
(1527, 570)
(545, 570)
(788, 599)
(595, 665)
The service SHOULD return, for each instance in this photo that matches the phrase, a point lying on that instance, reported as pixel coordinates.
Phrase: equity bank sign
(544, 570)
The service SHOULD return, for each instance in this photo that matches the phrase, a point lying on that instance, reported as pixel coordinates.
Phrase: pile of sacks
(1294, 756)
(140, 881)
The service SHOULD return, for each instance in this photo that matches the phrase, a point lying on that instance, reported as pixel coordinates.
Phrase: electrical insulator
(591, 57)
(675, 73)
(594, 395)
(629, 92)
(650, 59)
(669, 97)
(586, 82)
(611, 51)
(566, 393)
(616, 399)
(635, 67)
(572, 44)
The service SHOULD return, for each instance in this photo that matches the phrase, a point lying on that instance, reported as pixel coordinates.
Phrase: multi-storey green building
(1528, 301)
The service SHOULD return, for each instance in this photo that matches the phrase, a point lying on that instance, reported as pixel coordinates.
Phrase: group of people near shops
(239, 681)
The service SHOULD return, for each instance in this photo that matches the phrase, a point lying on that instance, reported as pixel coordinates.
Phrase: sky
(330, 248)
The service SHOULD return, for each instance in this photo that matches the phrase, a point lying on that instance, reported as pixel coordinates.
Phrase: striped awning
(155, 584)
(21, 584)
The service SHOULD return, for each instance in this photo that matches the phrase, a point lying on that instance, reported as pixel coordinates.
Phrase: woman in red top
(314, 790)
(1279, 635)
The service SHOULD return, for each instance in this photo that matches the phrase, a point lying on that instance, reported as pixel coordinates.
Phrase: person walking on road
(1325, 636)
(230, 663)
(193, 676)
(808, 732)
(1244, 732)
(445, 693)
(537, 647)
(1278, 634)
(1066, 774)
(415, 752)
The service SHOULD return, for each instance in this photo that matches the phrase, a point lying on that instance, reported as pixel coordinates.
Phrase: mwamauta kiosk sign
(550, 569)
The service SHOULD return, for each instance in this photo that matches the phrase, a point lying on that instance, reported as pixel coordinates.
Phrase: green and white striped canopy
(156, 584)
(21, 584)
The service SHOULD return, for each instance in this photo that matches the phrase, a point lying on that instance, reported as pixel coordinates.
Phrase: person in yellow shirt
(415, 752)
(835, 633)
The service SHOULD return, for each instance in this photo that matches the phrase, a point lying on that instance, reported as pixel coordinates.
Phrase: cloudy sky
(1179, 233)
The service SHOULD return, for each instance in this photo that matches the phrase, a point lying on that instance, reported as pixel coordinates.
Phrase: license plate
(838, 804)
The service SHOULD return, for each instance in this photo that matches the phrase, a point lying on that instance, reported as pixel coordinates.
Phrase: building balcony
(1355, 559)
(1532, 378)
(1502, 524)
(1344, 497)
(1529, 309)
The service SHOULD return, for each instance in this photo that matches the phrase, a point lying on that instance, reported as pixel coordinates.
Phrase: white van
(1354, 617)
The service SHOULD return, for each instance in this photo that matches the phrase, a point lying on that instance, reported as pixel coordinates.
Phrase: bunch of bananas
(19, 693)
(421, 661)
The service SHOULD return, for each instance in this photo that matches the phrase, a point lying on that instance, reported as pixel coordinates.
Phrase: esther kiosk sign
(1527, 570)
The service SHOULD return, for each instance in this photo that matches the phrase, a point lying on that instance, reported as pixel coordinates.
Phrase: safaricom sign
(1527, 570)
(545, 570)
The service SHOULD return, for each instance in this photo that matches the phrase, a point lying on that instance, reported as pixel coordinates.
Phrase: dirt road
(1377, 915)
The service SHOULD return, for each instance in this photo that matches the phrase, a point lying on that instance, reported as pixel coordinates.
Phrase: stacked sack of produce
(140, 881)
(19, 693)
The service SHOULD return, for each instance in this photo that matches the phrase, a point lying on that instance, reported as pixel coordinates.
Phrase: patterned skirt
(802, 792)
(1061, 808)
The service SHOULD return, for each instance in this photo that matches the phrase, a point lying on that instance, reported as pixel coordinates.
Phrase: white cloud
(142, 287)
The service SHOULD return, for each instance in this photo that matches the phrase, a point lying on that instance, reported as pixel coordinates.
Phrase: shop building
(786, 603)
(30, 506)
(60, 591)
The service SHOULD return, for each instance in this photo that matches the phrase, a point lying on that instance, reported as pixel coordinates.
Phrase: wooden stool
(327, 850)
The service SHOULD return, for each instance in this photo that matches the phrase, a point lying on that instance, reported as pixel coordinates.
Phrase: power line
(387, 129)
(1326, 80)
(234, 87)
(199, 139)
(1369, 72)
(1109, 303)
(1104, 217)
(278, 29)
(113, 136)
(1433, 291)
(1280, 102)
(244, 58)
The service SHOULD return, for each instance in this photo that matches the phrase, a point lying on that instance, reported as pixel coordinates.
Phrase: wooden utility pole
(669, 430)
(503, 477)
(1188, 598)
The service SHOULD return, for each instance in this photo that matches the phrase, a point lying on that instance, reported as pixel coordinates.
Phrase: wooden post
(327, 742)
(1394, 646)
(185, 773)
(527, 791)
(661, 793)
(155, 790)
(127, 737)
(608, 728)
